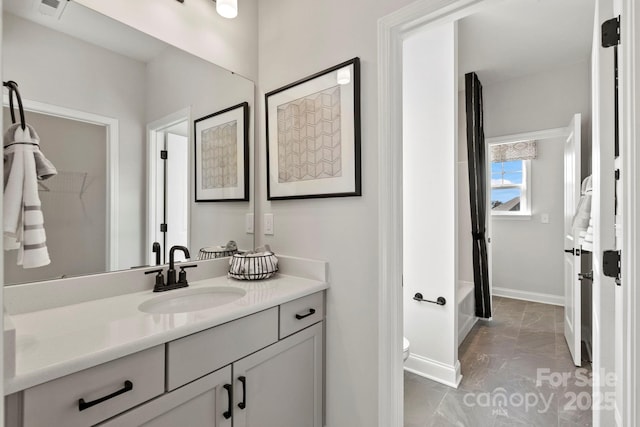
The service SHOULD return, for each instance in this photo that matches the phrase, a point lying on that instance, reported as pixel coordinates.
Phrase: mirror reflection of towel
(23, 221)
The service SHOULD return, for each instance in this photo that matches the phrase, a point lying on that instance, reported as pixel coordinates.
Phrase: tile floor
(513, 369)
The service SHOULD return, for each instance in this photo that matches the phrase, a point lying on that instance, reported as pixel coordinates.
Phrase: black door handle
(82, 405)
(243, 404)
(571, 251)
(302, 316)
(227, 414)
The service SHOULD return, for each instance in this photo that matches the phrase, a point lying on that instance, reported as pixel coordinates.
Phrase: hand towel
(583, 210)
(23, 222)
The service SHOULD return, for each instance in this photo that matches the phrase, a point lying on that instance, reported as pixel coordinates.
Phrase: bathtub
(466, 309)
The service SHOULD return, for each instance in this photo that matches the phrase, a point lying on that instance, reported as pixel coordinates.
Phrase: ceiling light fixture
(227, 8)
(344, 76)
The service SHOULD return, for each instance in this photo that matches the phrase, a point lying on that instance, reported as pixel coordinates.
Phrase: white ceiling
(88, 25)
(513, 38)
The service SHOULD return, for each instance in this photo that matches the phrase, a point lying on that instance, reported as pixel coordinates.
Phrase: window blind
(521, 150)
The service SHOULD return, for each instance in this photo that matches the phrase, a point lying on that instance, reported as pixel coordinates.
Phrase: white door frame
(629, 53)
(392, 29)
(112, 166)
(153, 129)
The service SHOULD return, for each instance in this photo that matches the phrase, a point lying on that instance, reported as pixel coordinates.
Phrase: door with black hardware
(572, 285)
(206, 402)
(281, 385)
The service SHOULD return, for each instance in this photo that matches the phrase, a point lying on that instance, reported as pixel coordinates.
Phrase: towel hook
(13, 89)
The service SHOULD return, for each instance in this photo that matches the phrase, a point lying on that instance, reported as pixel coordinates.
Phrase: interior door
(572, 291)
(177, 193)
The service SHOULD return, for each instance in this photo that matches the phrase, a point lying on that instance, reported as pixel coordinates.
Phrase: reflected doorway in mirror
(168, 184)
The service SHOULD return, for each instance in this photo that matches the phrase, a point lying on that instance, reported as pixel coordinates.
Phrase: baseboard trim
(528, 296)
(433, 370)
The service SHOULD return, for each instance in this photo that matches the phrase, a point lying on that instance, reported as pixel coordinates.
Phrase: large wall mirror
(106, 100)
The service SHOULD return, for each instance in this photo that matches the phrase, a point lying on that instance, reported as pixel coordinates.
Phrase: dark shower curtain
(477, 193)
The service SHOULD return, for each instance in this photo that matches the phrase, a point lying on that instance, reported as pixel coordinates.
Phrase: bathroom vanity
(254, 361)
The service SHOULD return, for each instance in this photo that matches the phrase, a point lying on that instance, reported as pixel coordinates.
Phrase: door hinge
(163, 228)
(164, 154)
(611, 265)
(611, 32)
(617, 175)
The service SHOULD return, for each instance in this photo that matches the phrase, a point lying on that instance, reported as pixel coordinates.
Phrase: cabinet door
(281, 385)
(202, 403)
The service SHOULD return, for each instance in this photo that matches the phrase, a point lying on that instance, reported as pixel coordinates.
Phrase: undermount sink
(187, 300)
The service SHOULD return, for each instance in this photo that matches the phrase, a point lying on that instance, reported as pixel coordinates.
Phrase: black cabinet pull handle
(82, 405)
(243, 404)
(227, 414)
(302, 316)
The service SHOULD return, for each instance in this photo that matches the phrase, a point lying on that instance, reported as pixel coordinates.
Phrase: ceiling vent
(51, 8)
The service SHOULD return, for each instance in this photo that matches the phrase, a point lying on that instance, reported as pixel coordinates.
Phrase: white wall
(530, 103)
(176, 80)
(527, 254)
(194, 26)
(298, 38)
(465, 243)
(104, 83)
(429, 201)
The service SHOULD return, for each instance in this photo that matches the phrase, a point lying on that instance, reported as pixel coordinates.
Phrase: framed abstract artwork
(222, 155)
(313, 136)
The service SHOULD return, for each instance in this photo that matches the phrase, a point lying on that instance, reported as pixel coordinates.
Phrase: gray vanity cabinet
(204, 402)
(282, 384)
(261, 370)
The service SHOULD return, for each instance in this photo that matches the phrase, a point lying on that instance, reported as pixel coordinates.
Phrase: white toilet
(405, 348)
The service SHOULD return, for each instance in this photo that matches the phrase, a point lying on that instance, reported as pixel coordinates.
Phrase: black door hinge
(611, 38)
(163, 228)
(611, 265)
(611, 32)
(617, 175)
(164, 154)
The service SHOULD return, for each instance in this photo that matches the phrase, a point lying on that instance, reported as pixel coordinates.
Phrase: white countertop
(59, 341)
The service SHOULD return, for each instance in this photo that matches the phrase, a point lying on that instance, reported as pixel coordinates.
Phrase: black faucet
(160, 286)
(171, 273)
(156, 250)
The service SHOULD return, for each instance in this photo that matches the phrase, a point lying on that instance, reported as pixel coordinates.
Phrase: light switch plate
(248, 227)
(268, 224)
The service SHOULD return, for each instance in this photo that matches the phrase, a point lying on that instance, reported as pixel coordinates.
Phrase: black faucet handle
(159, 279)
(182, 276)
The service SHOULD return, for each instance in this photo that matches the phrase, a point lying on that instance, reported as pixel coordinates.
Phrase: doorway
(392, 30)
(168, 184)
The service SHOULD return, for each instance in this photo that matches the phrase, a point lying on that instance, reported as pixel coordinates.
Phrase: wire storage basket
(211, 252)
(253, 266)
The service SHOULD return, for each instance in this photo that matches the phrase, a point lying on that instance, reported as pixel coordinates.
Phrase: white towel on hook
(23, 221)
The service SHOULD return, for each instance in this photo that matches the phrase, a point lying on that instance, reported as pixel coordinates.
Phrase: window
(509, 188)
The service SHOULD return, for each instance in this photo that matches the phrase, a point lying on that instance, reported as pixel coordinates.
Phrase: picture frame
(314, 137)
(221, 155)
